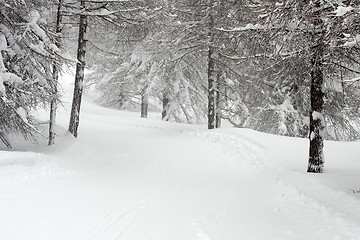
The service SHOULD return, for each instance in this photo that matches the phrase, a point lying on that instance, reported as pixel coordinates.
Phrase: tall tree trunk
(166, 103)
(211, 90)
(144, 105)
(219, 99)
(211, 69)
(317, 119)
(55, 74)
(79, 76)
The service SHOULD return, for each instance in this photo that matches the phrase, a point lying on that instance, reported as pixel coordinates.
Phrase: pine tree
(55, 74)
(27, 55)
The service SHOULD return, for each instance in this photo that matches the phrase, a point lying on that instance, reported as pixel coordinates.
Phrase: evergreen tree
(26, 61)
(55, 75)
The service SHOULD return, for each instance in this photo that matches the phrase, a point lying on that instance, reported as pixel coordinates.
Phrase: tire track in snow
(149, 171)
(167, 175)
(192, 197)
(117, 222)
(252, 158)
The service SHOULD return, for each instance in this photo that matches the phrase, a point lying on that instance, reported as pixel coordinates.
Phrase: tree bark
(144, 105)
(211, 69)
(218, 100)
(317, 119)
(166, 103)
(55, 74)
(79, 76)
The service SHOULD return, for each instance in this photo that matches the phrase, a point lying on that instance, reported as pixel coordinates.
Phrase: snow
(341, 10)
(312, 136)
(2, 87)
(129, 178)
(286, 106)
(34, 17)
(3, 42)
(247, 27)
(319, 116)
(352, 41)
(100, 12)
(10, 78)
(3, 46)
(282, 127)
(22, 113)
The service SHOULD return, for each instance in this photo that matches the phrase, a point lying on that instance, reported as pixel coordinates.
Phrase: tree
(55, 74)
(211, 68)
(79, 75)
(317, 120)
(284, 67)
(27, 54)
(327, 29)
(317, 34)
(164, 64)
(121, 11)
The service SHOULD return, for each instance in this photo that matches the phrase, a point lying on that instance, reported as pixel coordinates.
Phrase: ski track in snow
(132, 179)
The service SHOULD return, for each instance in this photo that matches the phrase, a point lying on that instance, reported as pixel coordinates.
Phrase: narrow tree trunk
(144, 105)
(79, 76)
(211, 92)
(211, 69)
(218, 100)
(317, 120)
(166, 103)
(55, 74)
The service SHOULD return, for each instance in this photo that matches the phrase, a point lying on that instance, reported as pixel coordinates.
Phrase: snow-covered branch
(248, 27)
(356, 79)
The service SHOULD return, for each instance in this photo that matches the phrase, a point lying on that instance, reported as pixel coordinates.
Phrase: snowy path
(133, 179)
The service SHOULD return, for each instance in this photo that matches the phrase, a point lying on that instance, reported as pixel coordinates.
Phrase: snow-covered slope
(127, 178)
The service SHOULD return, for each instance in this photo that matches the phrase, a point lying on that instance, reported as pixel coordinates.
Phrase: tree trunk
(317, 119)
(211, 69)
(218, 100)
(166, 103)
(55, 74)
(79, 76)
(211, 91)
(144, 105)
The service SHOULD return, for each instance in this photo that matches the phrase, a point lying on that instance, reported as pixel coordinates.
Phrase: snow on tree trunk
(53, 103)
(317, 119)
(211, 69)
(144, 105)
(166, 103)
(79, 76)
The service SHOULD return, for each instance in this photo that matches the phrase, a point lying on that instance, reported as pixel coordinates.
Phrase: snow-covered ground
(127, 178)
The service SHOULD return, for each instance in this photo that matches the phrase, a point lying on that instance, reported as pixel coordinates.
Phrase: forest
(179, 119)
(283, 67)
